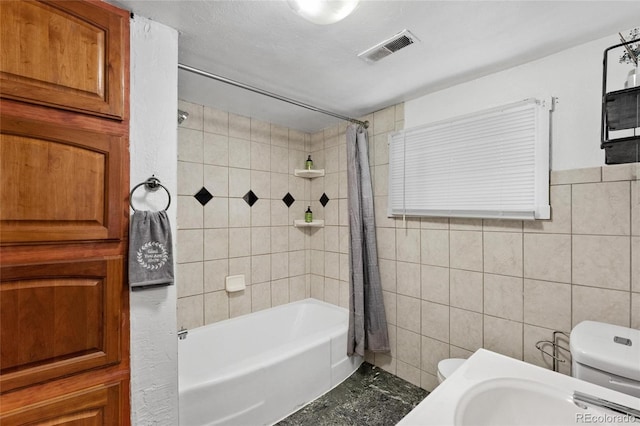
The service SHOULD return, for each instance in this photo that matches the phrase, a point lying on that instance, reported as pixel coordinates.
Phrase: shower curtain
(367, 321)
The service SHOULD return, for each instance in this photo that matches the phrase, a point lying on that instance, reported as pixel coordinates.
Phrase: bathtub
(259, 368)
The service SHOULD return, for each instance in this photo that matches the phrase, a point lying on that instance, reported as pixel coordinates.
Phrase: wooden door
(58, 182)
(64, 179)
(98, 406)
(65, 54)
(61, 318)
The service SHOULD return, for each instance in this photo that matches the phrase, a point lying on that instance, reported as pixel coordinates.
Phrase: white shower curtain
(367, 320)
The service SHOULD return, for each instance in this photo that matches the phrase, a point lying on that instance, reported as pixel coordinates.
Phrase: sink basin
(492, 389)
(515, 402)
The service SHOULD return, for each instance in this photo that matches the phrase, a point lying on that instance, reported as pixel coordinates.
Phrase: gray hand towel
(150, 249)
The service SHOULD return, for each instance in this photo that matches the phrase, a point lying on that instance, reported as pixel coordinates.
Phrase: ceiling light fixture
(323, 12)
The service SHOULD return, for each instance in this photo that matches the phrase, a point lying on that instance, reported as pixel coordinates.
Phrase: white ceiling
(266, 45)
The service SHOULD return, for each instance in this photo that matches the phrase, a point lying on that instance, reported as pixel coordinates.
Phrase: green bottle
(308, 215)
(308, 164)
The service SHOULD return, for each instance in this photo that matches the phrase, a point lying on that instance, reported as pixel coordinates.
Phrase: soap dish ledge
(310, 174)
(303, 224)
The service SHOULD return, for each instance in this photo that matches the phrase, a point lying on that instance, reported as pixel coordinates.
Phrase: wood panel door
(58, 319)
(65, 54)
(64, 179)
(59, 183)
(97, 406)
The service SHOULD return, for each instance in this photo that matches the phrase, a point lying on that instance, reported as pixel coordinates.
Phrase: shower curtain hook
(362, 125)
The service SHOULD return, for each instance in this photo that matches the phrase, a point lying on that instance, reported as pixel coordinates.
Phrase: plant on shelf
(632, 51)
(630, 56)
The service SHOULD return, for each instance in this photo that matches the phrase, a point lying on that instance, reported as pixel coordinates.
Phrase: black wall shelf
(620, 111)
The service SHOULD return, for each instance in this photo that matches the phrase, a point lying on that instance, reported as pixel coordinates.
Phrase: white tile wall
(466, 329)
(635, 206)
(450, 286)
(545, 304)
(503, 336)
(502, 253)
(465, 250)
(503, 296)
(505, 285)
(547, 257)
(230, 154)
(601, 261)
(435, 247)
(435, 284)
(465, 290)
(600, 304)
(601, 208)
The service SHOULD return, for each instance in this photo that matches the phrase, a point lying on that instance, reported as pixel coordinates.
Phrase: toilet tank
(607, 355)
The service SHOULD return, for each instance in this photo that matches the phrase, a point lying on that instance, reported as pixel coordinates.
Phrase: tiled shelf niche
(313, 224)
(309, 174)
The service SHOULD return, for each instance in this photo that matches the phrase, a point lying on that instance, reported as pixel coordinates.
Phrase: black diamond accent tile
(324, 199)
(250, 198)
(288, 199)
(203, 196)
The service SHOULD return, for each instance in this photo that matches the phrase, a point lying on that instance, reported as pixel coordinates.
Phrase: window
(491, 164)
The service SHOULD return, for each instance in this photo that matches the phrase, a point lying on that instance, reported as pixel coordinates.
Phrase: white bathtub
(259, 368)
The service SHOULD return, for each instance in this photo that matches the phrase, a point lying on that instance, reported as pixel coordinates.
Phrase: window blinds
(491, 164)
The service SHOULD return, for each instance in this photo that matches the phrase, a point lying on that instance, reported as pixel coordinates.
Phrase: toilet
(446, 367)
(607, 355)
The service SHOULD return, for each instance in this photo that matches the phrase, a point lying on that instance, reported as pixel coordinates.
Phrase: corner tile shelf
(303, 224)
(309, 174)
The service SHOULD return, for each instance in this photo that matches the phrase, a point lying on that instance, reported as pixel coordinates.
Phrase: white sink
(516, 402)
(492, 389)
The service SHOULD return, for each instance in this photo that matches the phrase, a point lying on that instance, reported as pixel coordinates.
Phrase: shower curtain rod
(197, 71)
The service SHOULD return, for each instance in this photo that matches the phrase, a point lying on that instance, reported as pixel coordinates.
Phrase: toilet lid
(446, 367)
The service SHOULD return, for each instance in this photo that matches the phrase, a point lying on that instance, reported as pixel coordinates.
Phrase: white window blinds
(491, 164)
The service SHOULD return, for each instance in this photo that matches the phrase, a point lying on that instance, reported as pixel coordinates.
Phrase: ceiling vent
(399, 41)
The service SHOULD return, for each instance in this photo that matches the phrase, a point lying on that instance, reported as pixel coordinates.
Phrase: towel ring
(152, 184)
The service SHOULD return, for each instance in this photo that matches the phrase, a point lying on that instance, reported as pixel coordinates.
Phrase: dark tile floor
(370, 397)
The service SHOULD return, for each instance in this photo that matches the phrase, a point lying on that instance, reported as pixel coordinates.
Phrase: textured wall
(574, 76)
(154, 357)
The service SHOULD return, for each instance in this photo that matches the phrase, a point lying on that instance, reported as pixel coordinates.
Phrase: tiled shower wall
(451, 286)
(233, 174)
(503, 285)
(329, 249)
